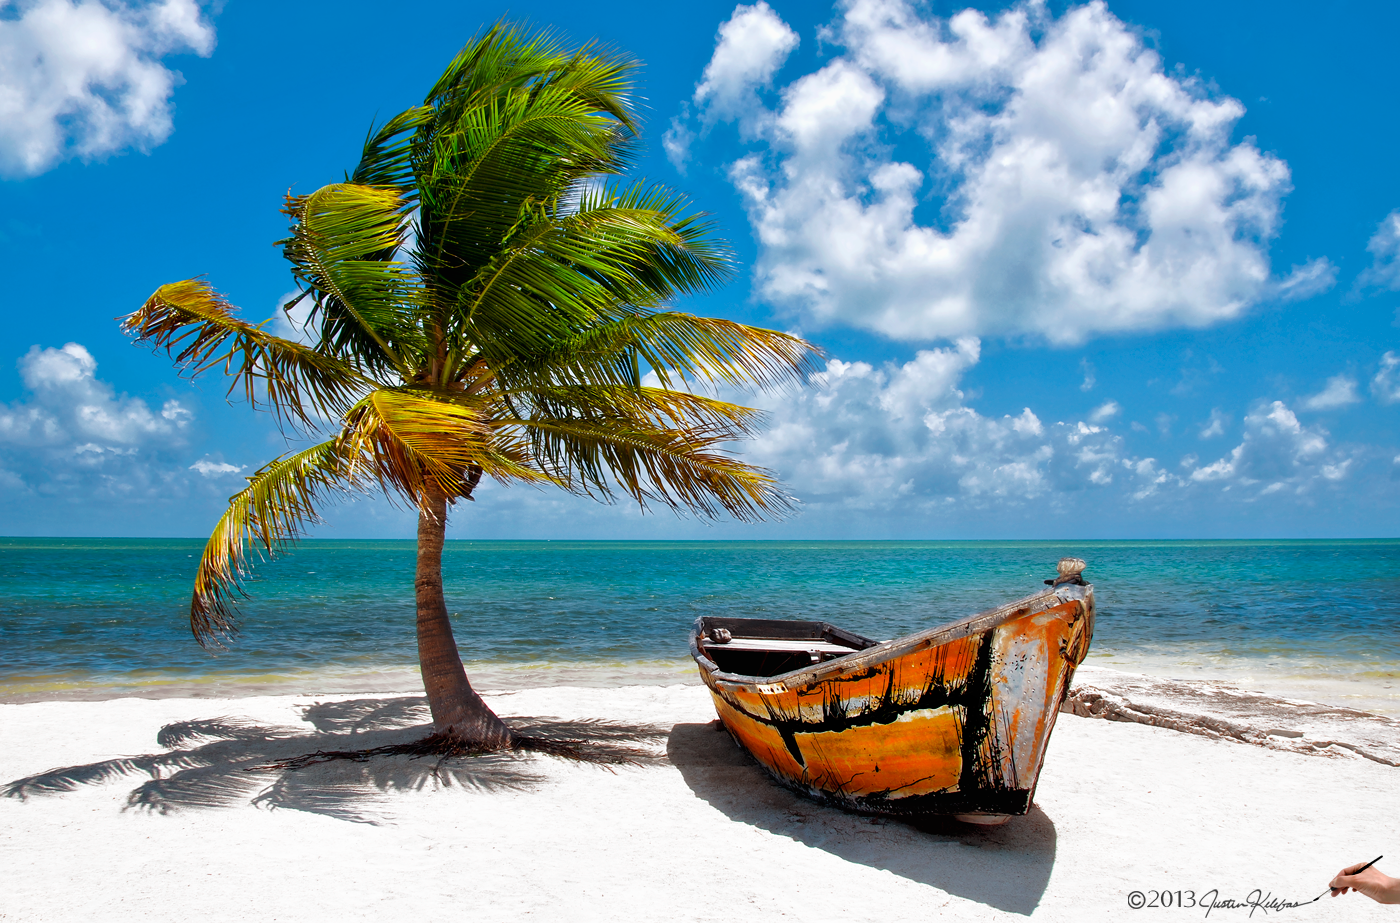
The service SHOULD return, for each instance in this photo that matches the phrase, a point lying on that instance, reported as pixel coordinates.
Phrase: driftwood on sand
(1225, 711)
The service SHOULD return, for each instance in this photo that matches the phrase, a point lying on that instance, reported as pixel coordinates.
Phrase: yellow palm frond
(278, 503)
(196, 326)
(407, 438)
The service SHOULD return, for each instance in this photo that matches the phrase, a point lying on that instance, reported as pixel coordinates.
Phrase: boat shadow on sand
(1006, 867)
(227, 761)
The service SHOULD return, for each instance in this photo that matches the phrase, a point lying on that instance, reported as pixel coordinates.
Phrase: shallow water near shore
(97, 618)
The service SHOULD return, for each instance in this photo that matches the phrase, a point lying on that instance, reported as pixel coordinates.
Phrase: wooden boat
(952, 720)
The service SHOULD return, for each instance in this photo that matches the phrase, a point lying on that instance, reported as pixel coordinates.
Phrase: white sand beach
(694, 831)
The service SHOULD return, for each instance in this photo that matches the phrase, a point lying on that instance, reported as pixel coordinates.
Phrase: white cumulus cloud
(71, 406)
(901, 438)
(74, 434)
(750, 47)
(85, 78)
(901, 441)
(1277, 453)
(1016, 175)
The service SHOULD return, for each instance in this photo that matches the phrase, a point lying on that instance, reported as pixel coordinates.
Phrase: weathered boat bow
(951, 720)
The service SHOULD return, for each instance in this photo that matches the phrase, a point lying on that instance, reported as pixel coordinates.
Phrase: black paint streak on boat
(982, 762)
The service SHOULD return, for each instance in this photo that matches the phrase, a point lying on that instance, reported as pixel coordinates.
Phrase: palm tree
(486, 300)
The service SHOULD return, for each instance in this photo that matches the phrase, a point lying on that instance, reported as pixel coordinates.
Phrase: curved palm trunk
(456, 707)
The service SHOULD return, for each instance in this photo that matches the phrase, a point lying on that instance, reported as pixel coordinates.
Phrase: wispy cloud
(1339, 392)
(676, 141)
(214, 469)
(1083, 188)
(81, 78)
(1312, 278)
(1384, 247)
(1385, 386)
(1105, 412)
(1215, 426)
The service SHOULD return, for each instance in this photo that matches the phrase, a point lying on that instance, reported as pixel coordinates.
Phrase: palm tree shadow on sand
(345, 768)
(1006, 867)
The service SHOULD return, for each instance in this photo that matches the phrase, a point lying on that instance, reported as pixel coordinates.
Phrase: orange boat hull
(954, 720)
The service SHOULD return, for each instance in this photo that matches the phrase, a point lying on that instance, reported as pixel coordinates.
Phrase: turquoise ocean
(99, 618)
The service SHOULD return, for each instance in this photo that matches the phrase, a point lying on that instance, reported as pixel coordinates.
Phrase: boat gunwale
(977, 623)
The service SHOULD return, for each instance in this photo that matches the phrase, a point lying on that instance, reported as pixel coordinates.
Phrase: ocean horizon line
(1263, 540)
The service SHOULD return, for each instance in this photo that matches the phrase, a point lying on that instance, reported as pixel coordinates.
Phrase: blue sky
(1105, 271)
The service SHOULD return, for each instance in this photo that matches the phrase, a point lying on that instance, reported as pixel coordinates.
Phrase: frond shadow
(356, 716)
(594, 740)
(358, 752)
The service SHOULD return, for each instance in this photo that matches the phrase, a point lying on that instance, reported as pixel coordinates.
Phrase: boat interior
(772, 647)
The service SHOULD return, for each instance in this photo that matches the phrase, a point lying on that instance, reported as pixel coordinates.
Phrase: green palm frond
(196, 326)
(503, 57)
(387, 158)
(655, 240)
(702, 418)
(680, 469)
(679, 348)
(517, 126)
(524, 299)
(276, 506)
(554, 274)
(466, 212)
(343, 248)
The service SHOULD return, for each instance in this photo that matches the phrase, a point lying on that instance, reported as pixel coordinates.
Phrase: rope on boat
(1071, 571)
